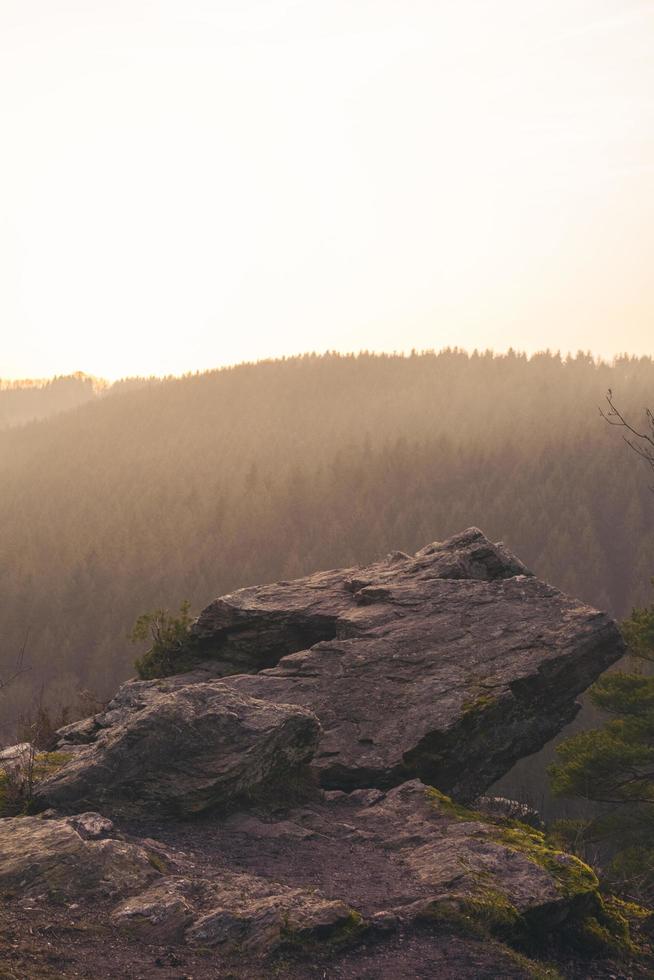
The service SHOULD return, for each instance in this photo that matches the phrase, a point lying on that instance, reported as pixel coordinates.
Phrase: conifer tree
(613, 766)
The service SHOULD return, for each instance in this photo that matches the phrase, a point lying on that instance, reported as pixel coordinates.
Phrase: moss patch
(489, 912)
(571, 875)
(447, 805)
(595, 925)
(492, 918)
(340, 936)
(157, 862)
(589, 924)
(477, 704)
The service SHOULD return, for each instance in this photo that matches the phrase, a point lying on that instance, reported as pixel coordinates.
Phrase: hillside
(31, 400)
(27, 401)
(196, 486)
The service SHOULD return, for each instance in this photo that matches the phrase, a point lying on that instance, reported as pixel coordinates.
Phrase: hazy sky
(187, 183)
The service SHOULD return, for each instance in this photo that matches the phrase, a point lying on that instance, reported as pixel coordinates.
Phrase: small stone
(91, 826)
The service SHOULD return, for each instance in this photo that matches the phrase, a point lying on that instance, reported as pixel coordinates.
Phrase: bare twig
(641, 443)
(19, 667)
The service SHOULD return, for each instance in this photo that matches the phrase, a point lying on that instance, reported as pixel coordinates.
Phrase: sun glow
(186, 184)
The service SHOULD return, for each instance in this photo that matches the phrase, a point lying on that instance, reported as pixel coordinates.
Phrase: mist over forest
(118, 499)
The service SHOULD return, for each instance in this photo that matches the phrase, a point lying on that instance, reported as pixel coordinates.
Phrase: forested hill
(27, 401)
(197, 486)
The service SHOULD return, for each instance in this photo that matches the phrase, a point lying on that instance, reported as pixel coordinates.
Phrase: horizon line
(599, 360)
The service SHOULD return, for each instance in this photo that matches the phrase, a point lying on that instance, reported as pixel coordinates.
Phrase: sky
(191, 183)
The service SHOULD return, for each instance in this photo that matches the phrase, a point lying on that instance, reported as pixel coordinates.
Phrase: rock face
(449, 665)
(181, 749)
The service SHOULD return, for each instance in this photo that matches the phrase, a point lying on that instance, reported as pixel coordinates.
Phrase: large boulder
(253, 628)
(449, 665)
(181, 748)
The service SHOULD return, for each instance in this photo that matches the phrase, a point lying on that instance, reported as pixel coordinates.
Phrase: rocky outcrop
(367, 863)
(455, 859)
(412, 678)
(84, 858)
(415, 857)
(449, 665)
(181, 748)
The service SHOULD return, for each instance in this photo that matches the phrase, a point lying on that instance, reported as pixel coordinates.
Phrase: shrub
(173, 647)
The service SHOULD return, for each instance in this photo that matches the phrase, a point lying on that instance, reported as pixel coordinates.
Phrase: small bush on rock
(172, 649)
(20, 774)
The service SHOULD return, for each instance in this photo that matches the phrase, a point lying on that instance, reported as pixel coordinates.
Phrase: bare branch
(19, 666)
(640, 443)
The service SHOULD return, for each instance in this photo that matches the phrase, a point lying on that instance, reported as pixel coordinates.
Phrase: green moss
(47, 763)
(489, 912)
(447, 805)
(571, 875)
(352, 928)
(477, 704)
(599, 934)
(538, 971)
(594, 925)
(493, 912)
(157, 862)
(344, 934)
(631, 912)
(595, 939)
(608, 932)
(491, 917)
